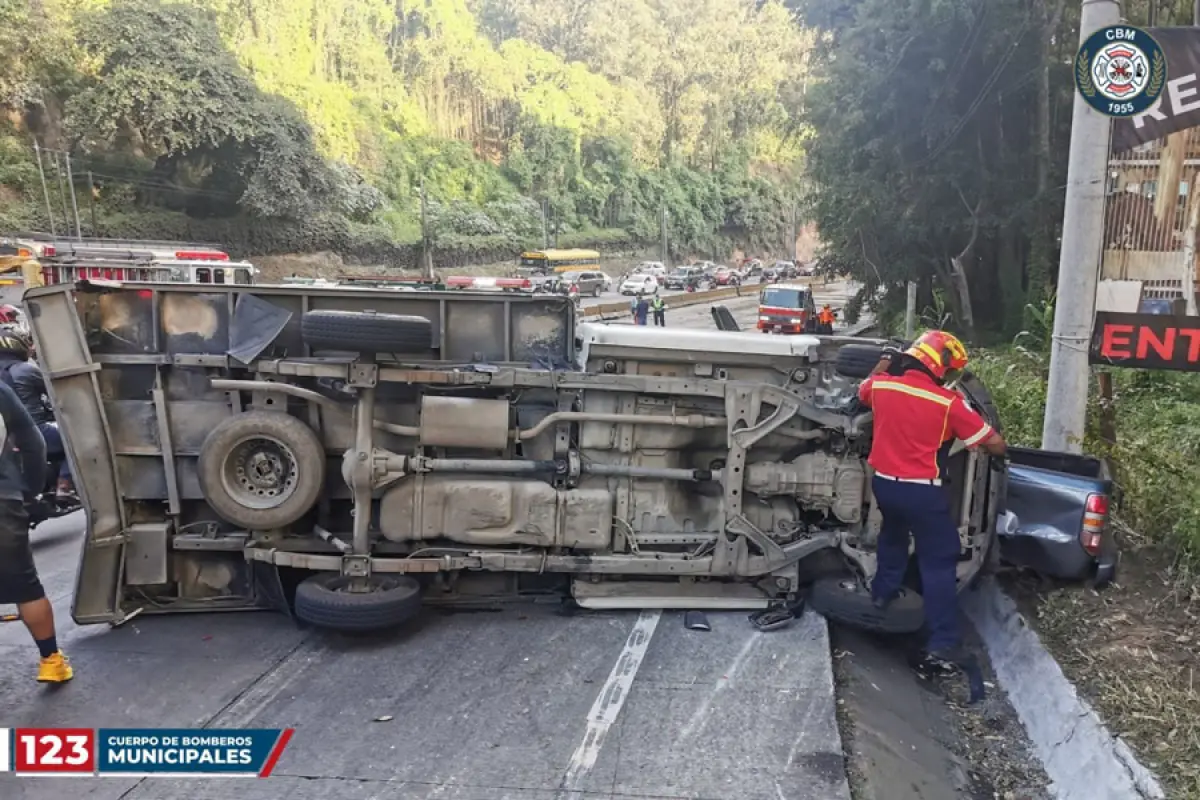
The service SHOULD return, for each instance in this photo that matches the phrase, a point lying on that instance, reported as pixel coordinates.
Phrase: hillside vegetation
(277, 126)
(938, 146)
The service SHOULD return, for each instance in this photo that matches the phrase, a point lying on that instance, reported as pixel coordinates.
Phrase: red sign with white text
(1146, 341)
(54, 751)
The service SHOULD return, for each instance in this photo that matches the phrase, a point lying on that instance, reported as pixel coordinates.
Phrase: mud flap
(268, 588)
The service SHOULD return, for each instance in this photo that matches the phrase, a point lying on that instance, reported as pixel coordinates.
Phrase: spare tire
(324, 600)
(857, 360)
(367, 332)
(844, 600)
(262, 469)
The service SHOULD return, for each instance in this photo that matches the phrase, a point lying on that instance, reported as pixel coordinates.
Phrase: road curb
(1083, 759)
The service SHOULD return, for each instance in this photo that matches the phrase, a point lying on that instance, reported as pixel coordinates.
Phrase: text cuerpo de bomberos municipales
(217, 749)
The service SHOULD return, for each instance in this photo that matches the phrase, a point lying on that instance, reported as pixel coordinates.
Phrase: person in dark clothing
(24, 377)
(22, 475)
(641, 310)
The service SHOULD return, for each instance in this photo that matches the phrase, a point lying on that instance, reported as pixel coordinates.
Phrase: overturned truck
(350, 454)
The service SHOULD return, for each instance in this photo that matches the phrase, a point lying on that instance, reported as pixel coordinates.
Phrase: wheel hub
(261, 472)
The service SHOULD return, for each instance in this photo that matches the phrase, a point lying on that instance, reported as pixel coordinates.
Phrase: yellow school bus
(560, 260)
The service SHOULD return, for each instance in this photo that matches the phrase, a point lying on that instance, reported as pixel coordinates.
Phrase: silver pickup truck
(350, 454)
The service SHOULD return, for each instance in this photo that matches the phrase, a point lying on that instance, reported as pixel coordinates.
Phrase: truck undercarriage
(452, 448)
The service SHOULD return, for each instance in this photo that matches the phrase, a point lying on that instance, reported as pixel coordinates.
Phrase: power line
(144, 182)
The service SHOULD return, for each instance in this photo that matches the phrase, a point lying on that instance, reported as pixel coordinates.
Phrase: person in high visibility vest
(914, 416)
(825, 320)
(660, 312)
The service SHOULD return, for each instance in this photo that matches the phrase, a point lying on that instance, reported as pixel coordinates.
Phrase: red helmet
(9, 314)
(939, 352)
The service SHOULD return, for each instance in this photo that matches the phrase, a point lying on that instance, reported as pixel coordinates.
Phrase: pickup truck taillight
(1095, 518)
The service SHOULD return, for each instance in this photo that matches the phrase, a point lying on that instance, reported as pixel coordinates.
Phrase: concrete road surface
(520, 703)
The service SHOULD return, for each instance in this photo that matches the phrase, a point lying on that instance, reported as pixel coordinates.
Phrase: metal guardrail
(676, 301)
(689, 298)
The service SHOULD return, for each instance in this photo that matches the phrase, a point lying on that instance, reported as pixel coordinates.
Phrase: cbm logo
(1120, 71)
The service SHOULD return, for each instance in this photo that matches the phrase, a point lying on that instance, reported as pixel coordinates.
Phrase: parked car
(786, 270)
(591, 284)
(655, 268)
(545, 282)
(644, 283)
(752, 273)
(684, 278)
(726, 276)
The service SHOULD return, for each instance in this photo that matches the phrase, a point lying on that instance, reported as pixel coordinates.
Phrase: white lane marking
(609, 701)
(701, 716)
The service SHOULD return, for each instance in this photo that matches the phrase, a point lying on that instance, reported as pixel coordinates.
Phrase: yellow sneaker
(55, 668)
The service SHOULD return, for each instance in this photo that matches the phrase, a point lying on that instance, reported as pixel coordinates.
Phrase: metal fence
(1151, 216)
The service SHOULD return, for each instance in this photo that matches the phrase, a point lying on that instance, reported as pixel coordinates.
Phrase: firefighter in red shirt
(915, 416)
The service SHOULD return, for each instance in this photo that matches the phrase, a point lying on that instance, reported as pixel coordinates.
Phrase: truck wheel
(857, 360)
(844, 600)
(325, 601)
(367, 332)
(262, 469)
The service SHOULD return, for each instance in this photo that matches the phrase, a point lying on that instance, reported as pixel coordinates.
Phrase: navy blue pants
(924, 511)
(56, 453)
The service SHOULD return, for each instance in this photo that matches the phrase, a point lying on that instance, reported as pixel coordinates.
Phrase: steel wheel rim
(260, 472)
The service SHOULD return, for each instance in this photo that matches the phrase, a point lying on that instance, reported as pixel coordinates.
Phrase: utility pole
(794, 249)
(1079, 259)
(37, 152)
(1189, 241)
(74, 202)
(664, 251)
(910, 311)
(545, 224)
(91, 186)
(426, 249)
(62, 194)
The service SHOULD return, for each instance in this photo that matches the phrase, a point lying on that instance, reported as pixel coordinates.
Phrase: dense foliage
(604, 113)
(938, 140)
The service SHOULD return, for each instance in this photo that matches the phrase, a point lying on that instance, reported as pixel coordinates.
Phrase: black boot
(944, 662)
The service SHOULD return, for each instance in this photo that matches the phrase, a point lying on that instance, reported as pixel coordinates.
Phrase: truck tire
(322, 600)
(844, 600)
(367, 332)
(262, 469)
(857, 360)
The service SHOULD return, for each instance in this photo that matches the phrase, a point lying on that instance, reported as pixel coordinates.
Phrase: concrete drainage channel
(1082, 758)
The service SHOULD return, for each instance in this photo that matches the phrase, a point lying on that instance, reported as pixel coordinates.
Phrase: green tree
(166, 87)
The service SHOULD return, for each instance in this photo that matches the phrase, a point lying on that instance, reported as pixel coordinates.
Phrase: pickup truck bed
(1051, 495)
